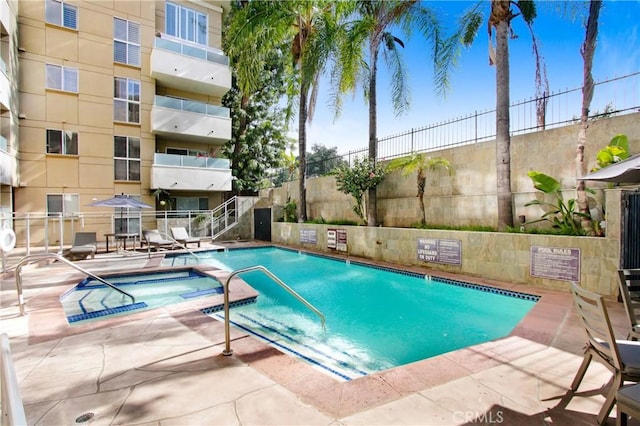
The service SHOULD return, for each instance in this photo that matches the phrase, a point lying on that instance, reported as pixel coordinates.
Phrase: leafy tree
(500, 18)
(368, 34)
(323, 160)
(357, 180)
(258, 136)
(309, 28)
(258, 122)
(421, 164)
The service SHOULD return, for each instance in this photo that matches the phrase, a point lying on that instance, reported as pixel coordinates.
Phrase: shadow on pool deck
(165, 366)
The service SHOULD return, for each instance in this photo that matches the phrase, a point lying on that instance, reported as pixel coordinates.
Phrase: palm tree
(421, 164)
(309, 27)
(587, 50)
(358, 60)
(500, 18)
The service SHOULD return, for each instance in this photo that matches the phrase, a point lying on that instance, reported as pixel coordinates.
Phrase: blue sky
(472, 82)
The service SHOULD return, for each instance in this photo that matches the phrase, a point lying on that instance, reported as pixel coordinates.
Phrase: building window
(62, 142)
(67, 204)
(127, 220)
(127, 158)
(126, 42)
(186, 24)
(126, 105)
(62, 78)
(190, 203)
(187, 152)
(61, 13)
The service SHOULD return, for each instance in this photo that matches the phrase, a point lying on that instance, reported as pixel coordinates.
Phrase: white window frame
(67, 138)
(129, 101)
(128, 159)
(70, 204)
(180, 22)
(132, 47)
(66, 79)
(57, 17)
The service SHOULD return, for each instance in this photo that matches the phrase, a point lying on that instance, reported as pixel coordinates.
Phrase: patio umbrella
(121, 201)
(626, 171)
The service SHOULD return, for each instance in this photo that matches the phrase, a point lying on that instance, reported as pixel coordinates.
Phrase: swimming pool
(376, 318)
(92, 299)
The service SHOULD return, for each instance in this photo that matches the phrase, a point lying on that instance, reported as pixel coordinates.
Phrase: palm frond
(527, 9)
(400, 95)
(449, 49)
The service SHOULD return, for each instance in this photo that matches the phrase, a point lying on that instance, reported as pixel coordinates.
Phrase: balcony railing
(193, 50)
(190, 161)
(192, 106)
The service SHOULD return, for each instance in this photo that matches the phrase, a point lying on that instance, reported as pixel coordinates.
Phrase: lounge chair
(629, 286)
(180, 235)
(621, 357)
(84, 245)
(154, 239)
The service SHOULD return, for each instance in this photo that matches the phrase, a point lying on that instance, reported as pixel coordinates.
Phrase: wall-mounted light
(174, 184)
(21, 49)
(22, 116)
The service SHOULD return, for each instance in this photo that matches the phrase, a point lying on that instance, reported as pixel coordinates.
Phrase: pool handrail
(12, 405)
(227, 332)
(59, 258)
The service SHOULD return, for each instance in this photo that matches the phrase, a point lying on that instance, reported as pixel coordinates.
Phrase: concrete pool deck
(165, 366)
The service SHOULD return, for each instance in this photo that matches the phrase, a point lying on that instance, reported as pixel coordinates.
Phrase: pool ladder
(34, 257)
(227, 332)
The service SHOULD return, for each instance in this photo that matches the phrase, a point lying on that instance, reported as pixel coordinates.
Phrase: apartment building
(118, 97)
(9, 128)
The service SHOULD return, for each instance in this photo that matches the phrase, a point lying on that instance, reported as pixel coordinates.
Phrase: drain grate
(84, 417)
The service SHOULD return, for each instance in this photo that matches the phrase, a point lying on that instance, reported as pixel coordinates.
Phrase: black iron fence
(615, 96)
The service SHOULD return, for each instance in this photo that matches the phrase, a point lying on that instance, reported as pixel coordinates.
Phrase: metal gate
(262, 224)
(630, 230)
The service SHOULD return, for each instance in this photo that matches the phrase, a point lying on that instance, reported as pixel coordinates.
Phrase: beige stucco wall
(468, 195)
(497, 256)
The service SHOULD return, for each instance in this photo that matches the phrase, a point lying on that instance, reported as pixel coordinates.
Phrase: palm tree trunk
(302, 150)
(503, 138)
(422, 180)
(587, 51)
(372, 217)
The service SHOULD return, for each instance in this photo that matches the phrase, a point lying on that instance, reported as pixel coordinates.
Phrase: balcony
(8, 164)
(181, 172)
(190, 67)
(187, 120)
(5, 86)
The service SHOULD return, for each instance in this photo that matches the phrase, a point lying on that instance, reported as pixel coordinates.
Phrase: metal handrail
(56, 256)
(227, 332)
(10, 400)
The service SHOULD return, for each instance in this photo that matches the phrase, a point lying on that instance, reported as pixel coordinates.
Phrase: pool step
(105, 312)
(337, 362)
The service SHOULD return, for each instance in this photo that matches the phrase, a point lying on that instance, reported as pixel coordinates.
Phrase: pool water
(375, 318)
(92, 299)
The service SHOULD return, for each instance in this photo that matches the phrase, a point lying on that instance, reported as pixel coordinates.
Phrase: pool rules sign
(440, 251)
(337, 239)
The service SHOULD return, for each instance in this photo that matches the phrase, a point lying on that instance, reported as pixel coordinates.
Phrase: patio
(165, 367)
